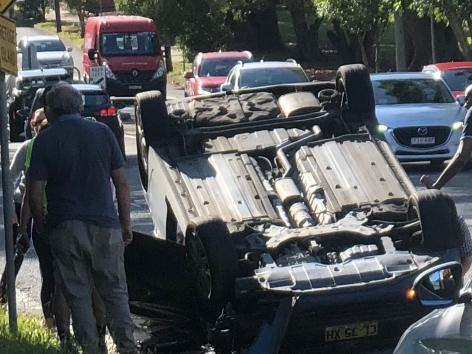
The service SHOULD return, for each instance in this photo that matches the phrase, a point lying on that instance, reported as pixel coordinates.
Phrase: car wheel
(213, 264)
(151, 126)
(353, 82)
(438, 218)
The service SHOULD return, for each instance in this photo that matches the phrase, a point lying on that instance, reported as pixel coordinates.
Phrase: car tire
(151, 126)
(438, 217)
(213, 265)
(353, 82)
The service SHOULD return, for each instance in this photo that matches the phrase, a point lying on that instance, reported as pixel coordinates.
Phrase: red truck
(209, 71)
(458, 75)
(129, 48)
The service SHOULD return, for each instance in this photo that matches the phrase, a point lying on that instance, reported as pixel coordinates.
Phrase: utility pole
(400, 49)
(433, 40)
(57, 10)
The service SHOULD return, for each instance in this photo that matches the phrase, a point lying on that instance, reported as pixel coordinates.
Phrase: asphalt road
(28, 281)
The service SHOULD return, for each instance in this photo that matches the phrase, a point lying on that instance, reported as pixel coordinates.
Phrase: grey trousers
(86, 255)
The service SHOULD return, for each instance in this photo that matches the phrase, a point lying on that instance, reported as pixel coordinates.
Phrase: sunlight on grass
(32, 337)
(70, 31)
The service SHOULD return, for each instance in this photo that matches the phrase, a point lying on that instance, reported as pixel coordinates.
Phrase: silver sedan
(418, 115)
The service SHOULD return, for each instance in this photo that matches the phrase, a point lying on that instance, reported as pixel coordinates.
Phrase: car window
(93, 99)
(389, 92)
(218, 67)
(271, 76)
(49, 46)
(129, 43)
(459, 79)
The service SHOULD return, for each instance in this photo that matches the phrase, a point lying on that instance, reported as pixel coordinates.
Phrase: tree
(79, 7)
(456, 13)
(362, 21)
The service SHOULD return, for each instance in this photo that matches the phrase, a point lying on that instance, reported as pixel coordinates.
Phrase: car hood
(443, 329)
(212, 81)
(405, 115)
(127, 64)
(52, 57)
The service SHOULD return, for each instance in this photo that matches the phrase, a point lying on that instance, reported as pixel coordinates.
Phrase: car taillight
(106, 112)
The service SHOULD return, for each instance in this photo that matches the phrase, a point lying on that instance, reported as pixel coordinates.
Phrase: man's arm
(35, 193)
(458, 162)
(118, 177)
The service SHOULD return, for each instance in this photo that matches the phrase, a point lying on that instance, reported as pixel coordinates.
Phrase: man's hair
(62, 98)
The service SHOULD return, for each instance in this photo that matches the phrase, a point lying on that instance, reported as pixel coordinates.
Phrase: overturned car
(300, 229)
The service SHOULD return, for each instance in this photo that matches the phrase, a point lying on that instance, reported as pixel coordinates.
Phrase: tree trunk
(305, 38)
(419, 40)
(57, 10)
(263, 29)
(346, 45)
(459, 31)
(81, 14)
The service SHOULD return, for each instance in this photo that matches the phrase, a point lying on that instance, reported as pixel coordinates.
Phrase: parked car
(300, 229)
(457, 75)
(262, 73)
(48, 52)
(97, 104)
(418, 116)
(20, 91)
(131, 54)
(209, 71)
(446, 330)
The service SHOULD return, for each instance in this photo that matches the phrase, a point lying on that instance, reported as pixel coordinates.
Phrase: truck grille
(129, 78)
(404, 135)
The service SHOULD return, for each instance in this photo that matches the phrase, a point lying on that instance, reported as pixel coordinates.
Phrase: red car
(457, 75)
(210, 70)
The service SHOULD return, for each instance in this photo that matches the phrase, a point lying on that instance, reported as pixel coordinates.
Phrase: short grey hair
(62, 98)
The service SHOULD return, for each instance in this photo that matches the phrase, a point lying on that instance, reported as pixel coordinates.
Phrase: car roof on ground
(401, 76)
(451, 65)
(224, 55)
(269, 65)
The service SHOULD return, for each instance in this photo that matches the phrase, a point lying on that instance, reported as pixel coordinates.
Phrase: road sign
(8, 45)
(5, 4)
(98, 76)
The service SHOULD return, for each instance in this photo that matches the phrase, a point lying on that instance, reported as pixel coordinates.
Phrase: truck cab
(129, 48)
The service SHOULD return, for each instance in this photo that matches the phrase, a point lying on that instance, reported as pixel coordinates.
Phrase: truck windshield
(458, 79)
(129, 44)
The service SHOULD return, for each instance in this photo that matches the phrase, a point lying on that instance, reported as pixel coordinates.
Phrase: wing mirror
(69, 49)
(225, 87)
(440, 285)
(189, 75)
(461, 100)
(92, 54)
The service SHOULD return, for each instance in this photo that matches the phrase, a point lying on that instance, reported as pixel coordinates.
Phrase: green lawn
(70, 31)
(32, 337)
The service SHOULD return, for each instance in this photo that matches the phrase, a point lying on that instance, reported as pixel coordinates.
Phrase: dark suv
(97, 104)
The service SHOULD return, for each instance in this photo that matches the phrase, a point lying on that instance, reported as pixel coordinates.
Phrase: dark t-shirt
(467, 131)
(75, 157)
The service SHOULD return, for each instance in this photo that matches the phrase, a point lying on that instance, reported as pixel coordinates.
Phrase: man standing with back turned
(74, 160)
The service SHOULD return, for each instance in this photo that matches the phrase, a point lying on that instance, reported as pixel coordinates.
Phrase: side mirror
(92, 54)
(461, 100)
(69, 49)
(189, 75)
(225, 87)
(440, 285)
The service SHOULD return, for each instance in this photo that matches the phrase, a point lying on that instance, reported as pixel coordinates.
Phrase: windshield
(129, 44)
(271, 76)
(219, 67)
(388, 92)
(49, 46)
(458, 79)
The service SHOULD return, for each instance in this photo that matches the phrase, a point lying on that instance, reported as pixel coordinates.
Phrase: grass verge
(70, 31)
(32, 337)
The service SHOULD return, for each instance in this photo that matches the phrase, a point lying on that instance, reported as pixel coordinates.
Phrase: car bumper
(406, 153)
(118, 88)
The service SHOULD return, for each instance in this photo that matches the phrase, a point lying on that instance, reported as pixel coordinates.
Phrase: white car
(259, 74)
(50, 53)
(418, 116)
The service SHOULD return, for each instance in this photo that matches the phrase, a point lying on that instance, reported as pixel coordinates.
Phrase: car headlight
(161, 70)
(382, 128)
(108, 73)
(457, 126)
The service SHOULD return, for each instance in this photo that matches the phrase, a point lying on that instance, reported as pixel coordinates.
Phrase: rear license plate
(351, 331)
(135, 87)
(423, 140)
